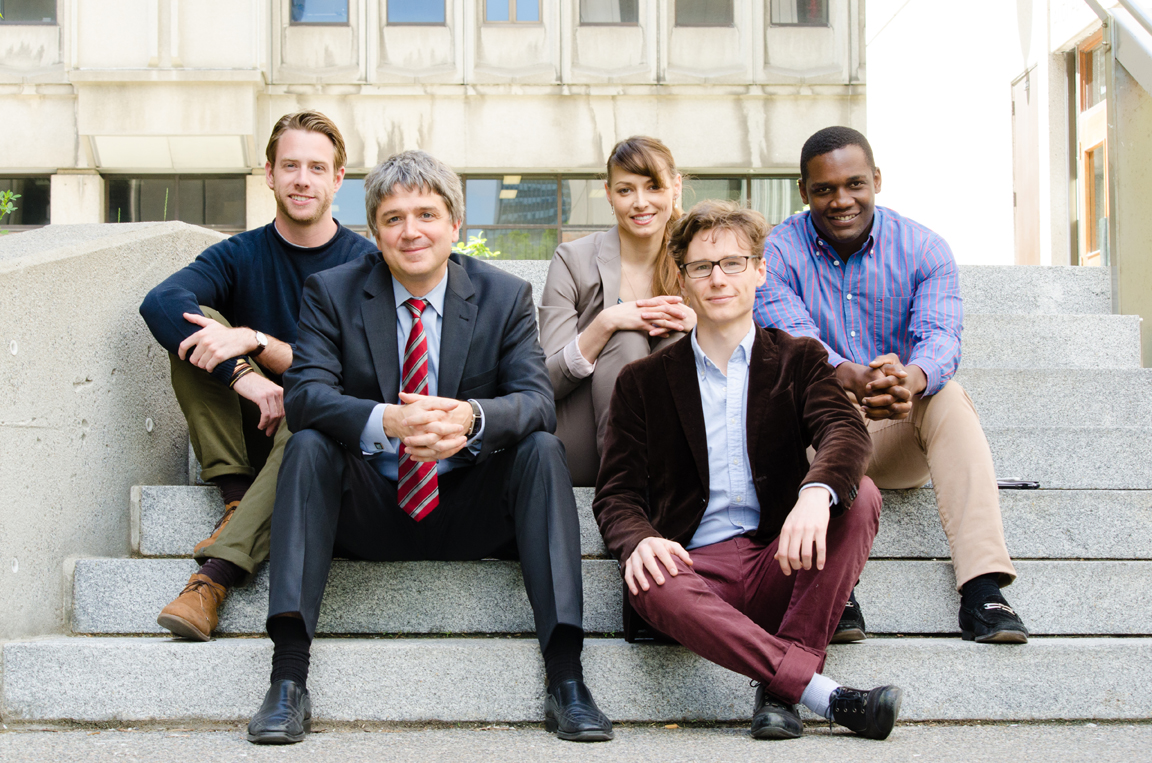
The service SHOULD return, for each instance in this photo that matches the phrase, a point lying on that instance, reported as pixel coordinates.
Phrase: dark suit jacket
(346, 356)
(654, 474)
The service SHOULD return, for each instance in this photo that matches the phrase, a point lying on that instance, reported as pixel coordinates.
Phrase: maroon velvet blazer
(654, 468)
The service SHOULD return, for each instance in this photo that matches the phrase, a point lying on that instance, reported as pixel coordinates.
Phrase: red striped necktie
(417, 490)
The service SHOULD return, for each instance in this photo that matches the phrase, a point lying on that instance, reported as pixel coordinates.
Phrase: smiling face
(641, 206)
(722, 299)
(841, 194)
(415, 234)
(304, 178)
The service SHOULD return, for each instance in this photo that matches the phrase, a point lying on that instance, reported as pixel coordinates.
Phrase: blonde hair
(648, 157)
(312, 121)
(716, 215)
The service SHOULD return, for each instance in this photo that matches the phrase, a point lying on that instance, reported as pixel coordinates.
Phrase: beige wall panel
(38, 132)
(418, 54)
(708, 54)
(116, 34)
(806, 54)
(216, 34)
(29, 49)
(316, 53)
(528, 53)
(613, 54)
(166, 109)
(77, 199)
(261, 203)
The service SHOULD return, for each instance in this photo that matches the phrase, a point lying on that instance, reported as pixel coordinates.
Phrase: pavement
(1019, 743)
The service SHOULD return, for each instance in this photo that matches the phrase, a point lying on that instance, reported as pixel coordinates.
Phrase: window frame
(54, 22)
(389, 22)
(177, 177)
(326, 24)
(5, 223)
(676, 18)
(512, 20)
(581, 22)
(825, 24)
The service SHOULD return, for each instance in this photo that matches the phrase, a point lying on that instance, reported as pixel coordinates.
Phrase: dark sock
(232, 486)
(223, 572)
(562, 655)
(980, 589)
(290, 647)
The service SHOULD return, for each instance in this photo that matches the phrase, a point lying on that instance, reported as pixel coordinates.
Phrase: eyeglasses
(729, 265)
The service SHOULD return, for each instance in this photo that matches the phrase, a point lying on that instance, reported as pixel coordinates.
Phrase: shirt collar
(435, 298)
(703, 363)
(819, 246)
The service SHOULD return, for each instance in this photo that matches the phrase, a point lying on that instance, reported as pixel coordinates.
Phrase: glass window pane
(190, 198)
(28, 11)
(496, 10)
(415, 11)
(155, 199)
(319, 11)
(348, 206)
(698, 189)
(523, 244)
(225, 203)
(800, 12)
(775, 198)
(585, 203)
(511, 200)
(703, 12)
(609, 11)
(527, 10)
(34, 205)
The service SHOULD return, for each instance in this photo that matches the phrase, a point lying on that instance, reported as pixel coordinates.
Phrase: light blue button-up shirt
(381, 451)
(733, 507)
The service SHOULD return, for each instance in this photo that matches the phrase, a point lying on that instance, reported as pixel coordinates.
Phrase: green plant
(6, 205)
(477, 246)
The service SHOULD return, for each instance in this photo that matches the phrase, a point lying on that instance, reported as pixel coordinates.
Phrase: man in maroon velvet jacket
(729, 540)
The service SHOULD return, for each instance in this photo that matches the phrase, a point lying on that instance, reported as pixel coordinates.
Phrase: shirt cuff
(578, 366)
(474, 443)
(933, 373)
(835, 500)
(372, 438)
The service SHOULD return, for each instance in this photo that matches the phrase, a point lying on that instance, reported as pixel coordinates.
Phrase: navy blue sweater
(253, 279)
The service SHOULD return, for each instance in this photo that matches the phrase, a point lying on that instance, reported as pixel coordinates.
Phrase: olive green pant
(223, 427)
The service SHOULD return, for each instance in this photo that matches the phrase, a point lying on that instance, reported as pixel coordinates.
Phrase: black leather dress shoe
(870, 713)
(571, 712)
(992, 622)
(851, 625)
(774, 719)
(284, 718)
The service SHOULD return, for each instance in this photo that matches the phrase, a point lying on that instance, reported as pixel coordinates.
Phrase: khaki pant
(223, 429)
(942, 440)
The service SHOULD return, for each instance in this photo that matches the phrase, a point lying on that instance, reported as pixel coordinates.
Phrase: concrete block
(1062, 397)
(1074, 458)
(1051, 341)
(416, 680)
(897, 596)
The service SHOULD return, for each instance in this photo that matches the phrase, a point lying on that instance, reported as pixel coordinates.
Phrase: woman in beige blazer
(611, 298)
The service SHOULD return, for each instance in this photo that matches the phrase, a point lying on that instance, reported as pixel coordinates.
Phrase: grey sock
(817, 694)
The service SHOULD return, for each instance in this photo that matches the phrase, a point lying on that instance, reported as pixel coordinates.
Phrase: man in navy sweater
(229, 322)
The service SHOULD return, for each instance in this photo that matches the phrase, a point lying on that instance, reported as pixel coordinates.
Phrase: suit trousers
(942, 440)
(517, 503)
(226, 439)
(735, 607)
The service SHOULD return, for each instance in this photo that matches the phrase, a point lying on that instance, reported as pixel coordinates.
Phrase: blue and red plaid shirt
(900, 293)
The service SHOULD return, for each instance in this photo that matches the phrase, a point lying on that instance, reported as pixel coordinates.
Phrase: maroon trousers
(735, 607)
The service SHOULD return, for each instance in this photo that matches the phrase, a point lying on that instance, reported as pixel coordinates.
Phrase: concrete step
(1051, 341)
(1038, 524)
(124, 596)
(1074, 458)
(130, 679)
(1007, 397)
(1003, 290)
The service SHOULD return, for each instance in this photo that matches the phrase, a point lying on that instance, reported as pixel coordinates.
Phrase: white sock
(817, 694)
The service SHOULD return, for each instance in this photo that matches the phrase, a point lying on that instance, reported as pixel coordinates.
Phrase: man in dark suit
(729, 541)
(422, 414)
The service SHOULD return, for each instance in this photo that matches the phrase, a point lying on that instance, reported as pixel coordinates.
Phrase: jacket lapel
(608, 263)
(680, 370)
(456, 332)
(379, 314)
(763, 370)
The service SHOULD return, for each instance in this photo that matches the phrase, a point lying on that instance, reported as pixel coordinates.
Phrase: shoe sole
(182, 628)
(996, 637)
(775, 732)
(849, 636)
(275, 738)
(552, 726)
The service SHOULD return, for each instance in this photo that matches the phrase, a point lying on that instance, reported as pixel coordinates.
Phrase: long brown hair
(648, 157)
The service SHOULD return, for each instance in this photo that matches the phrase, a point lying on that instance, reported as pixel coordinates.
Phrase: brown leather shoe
(193, 614)
(229, 510)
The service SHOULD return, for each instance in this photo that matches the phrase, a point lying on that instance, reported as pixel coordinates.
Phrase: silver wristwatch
(261, 344)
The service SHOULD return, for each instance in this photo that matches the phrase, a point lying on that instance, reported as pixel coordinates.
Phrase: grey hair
(412, 170)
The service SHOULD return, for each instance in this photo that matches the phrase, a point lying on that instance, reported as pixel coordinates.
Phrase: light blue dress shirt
(733, 507)
(381, 451)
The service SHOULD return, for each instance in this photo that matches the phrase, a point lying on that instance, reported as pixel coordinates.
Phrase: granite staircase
(1063, 399)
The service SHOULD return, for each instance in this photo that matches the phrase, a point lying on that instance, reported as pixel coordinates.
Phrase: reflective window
(799, 12)
(28, 11)
(33, 207)
(523, 11)
(775, 198)
(217, 202)
(319, 11)
(704, 13)
(511, 200)
(348, 205)
(586, 203)
(415, 11)
(609, 11)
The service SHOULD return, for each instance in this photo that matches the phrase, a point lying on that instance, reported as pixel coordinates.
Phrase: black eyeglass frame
(714, 263)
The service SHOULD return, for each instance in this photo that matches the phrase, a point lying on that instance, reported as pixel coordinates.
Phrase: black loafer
(774, 719)
(284, 718)
(571, 713)
(851, 625)
(992, 622)
(870, 713)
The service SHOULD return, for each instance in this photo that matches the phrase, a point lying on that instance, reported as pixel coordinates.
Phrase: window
(1092, 86)
(799, 12)
(415, 11)
(777, 198)
(704, 13)
(215, 202)
(348, 205)
(28, 11)
(33, 208)
(609, 11)
(319, 11)
(515, 11)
